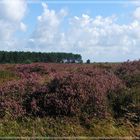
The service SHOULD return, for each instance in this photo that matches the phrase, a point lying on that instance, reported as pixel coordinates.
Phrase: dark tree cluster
(29, 57)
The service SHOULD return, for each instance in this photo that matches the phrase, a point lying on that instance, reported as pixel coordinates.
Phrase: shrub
(119, 101)
(129, 72)
(12, 96)
(74, 93)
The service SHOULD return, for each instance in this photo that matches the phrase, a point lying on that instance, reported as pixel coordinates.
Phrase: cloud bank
(97, 38)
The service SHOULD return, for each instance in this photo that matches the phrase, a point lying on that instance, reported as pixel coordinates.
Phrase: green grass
(53, 127)
(135, 92)
(6, 76)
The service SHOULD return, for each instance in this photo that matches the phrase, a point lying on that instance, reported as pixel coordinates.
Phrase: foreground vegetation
(70, 100)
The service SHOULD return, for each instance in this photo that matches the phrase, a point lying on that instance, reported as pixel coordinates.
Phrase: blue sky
(92, 9)
(106, 30)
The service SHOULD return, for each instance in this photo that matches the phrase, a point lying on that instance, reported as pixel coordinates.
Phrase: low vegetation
(96, 100)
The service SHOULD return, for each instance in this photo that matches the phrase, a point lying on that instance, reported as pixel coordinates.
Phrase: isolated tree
(88, 61)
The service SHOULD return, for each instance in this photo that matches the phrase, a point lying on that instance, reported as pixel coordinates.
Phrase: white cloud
(6, 30)
(103, 37)
(47, 34)
(98, 38)
(23, 27)
(137, 13)
(13, 10)
(11, 15)
(135, 2)
(94, 38)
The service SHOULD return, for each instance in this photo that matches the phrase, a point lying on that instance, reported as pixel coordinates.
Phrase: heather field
(58, 100)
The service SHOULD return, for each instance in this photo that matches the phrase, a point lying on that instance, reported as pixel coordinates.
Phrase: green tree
(88, 61)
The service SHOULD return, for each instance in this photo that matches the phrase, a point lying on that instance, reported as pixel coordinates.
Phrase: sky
(99, 30)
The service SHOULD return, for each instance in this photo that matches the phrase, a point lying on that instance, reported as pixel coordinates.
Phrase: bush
(129, 72)
(75, 93)
(71, 91)
(119, 101)
(12, 96)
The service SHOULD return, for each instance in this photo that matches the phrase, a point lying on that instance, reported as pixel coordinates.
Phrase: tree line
(30, 57)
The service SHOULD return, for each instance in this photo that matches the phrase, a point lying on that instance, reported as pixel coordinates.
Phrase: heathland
(51, 99)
